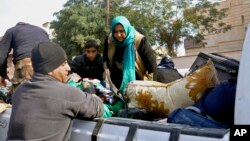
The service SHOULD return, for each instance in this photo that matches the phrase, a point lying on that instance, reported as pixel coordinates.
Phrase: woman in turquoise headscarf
(128, 55)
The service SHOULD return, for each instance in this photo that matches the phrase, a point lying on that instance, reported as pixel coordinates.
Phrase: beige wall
(229, 43)
(184, 62)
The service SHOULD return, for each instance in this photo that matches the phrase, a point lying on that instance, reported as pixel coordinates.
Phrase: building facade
(229, 43)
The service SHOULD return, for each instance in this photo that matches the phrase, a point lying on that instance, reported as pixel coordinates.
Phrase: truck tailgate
(122, 129)
(114, 129)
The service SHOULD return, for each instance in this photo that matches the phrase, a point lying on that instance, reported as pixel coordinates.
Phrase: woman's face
(119, 33)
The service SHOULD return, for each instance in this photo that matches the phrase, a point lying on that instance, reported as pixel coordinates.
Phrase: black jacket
(22, 39)
(166, 71)
(146, 53)
(86, 68)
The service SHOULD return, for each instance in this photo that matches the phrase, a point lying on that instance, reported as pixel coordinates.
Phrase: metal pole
(107, 15)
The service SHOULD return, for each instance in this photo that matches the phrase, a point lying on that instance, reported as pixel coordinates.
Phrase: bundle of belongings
(166, 71)
(204, 98)
(164, 98)
(215, 109)
(112, 102)
(4, 92)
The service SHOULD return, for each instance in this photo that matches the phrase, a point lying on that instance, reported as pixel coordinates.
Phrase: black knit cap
(47, 56)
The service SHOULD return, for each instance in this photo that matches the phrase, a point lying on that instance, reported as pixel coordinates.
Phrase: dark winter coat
(22, 39)
(166, 71)
(86, 68)
(43, 109)
(144, 50)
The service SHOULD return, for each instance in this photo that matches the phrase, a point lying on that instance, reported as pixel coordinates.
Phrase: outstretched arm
(147, 55)
(5, 48)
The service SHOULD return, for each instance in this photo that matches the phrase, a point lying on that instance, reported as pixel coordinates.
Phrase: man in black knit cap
(43, 107)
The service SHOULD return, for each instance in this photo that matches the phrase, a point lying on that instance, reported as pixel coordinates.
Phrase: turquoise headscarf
(128, 61)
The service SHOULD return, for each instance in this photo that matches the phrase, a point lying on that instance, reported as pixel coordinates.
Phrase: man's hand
(75, 77)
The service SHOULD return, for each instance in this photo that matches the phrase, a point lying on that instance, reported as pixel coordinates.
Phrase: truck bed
(123, 129)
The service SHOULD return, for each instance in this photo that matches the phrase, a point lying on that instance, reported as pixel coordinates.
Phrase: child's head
(91, 49)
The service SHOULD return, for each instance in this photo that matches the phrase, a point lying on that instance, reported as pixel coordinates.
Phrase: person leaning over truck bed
(128, 55)
(22, 38)
(122, 48)
(43, 107)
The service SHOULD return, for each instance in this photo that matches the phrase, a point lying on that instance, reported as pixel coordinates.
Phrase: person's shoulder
(68, 89)
(35, 28)
(69, 93)
(109, 38)
(27, 26)
(11, 30)
(31, 25)
(144, 39)
(142, 43)
(99, 56)
(78, 57)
